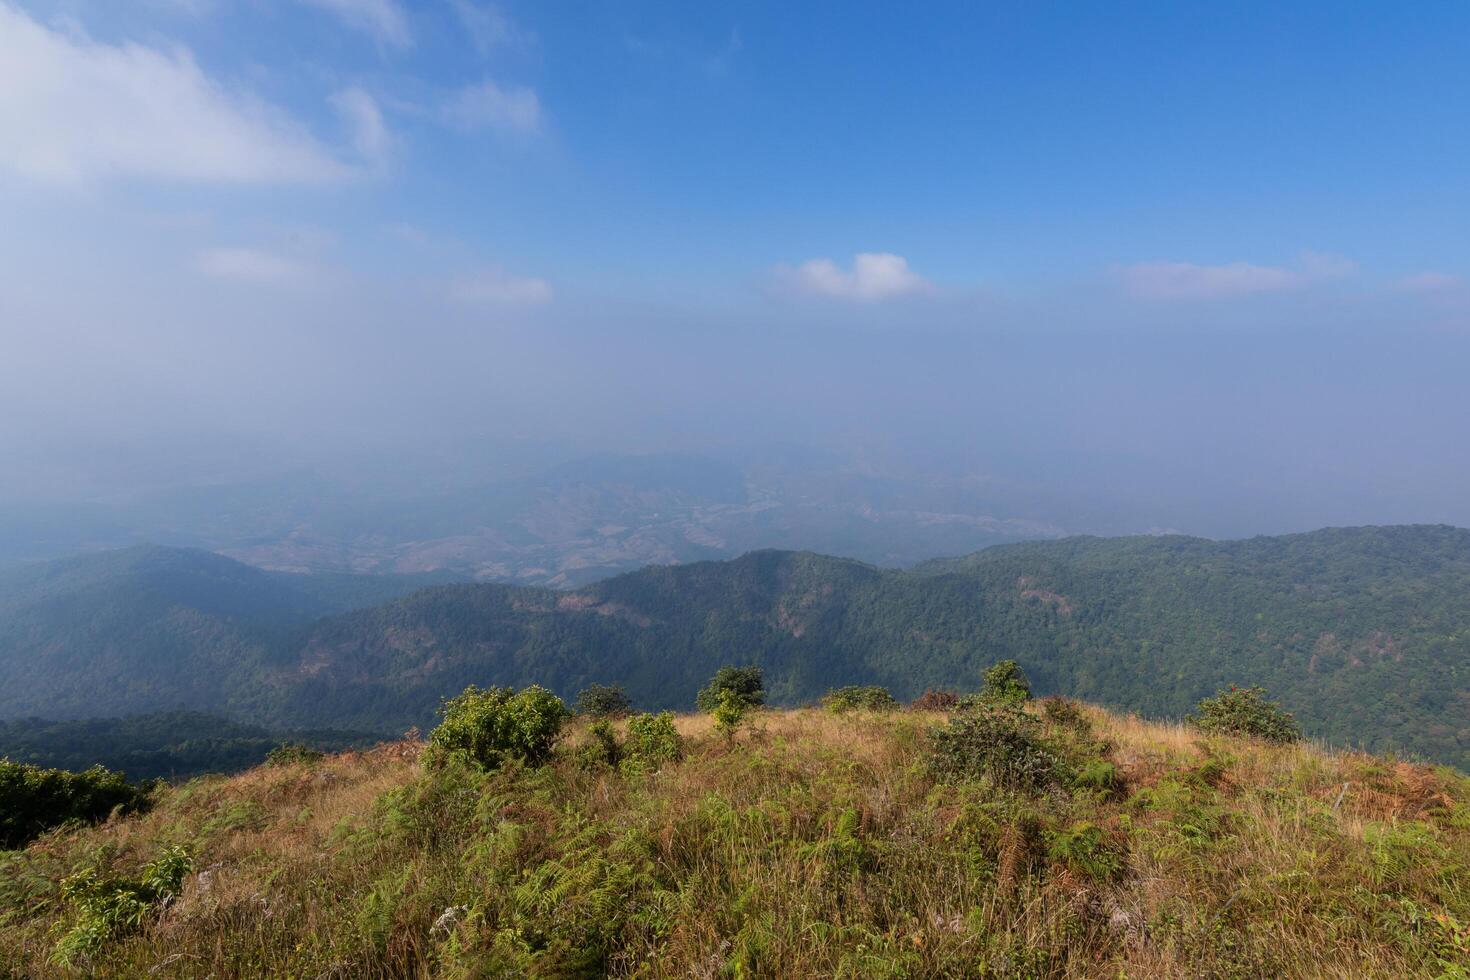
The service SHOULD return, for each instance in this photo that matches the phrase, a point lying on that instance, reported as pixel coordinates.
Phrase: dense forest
(167, 745)
(1364, 633)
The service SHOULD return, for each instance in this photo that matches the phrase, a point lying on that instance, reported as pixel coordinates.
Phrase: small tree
(869, 697)
(746, 683)
(653, 739)
(1245, 711)
(603, 701)
(729, 713)
(1006, 683)
(487, 727)
(997, 741)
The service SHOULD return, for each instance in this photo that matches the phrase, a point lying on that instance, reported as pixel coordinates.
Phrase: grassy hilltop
(809, 844)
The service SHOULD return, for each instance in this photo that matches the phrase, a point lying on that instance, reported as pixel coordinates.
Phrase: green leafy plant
(603, 701)
(859, 697)
(107, 907)
(998, 742)
(33, 800)
(1084, 848)
(1006, 682)
(746, 683)
(601, 747)
(1245, 711)
(487, 727)
(653, 739)
(729, 713)
(1064, 712)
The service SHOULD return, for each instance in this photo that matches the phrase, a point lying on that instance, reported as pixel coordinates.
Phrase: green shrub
(603, 701)
(1065, 713)
(1006, 682)
(293, 753)
(858, 697)
(107, 907)
(488, 726)
(601, 747)
(33, 800)
(653, 739)
(998, 742)
(1085, 849)
(746, 683)
(1245, 711)
(729, 713)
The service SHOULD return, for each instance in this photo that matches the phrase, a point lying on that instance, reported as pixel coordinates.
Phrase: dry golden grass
(812, 844)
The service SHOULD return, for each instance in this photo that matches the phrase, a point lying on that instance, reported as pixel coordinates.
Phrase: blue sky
(622, 221)
(654, 149)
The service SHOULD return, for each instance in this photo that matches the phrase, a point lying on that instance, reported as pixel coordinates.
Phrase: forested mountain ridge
(150, 628)
(1364, 632)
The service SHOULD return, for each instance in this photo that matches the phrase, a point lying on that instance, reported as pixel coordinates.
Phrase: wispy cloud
(1433, 282)
(249, 265)
(383, 19)
(874, 276)
(73, 110)
(370, 134)
(490, 106)
(1180, 281)
(496, 287)
(488, 25)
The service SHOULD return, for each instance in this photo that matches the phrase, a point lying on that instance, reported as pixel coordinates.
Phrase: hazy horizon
(410, 250)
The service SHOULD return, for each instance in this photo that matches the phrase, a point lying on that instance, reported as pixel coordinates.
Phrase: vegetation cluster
(1006, 837)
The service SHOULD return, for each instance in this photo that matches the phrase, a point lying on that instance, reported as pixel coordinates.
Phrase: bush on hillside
(603, 701)
(1064, 712)
(106, 907)
(33, 800)
(746, 683)
(601, 747)
(729, 713)
(1245, 711)
(1006, 682)
(653, 739)
(934, 699)
(998, 742)
(487, 727)
(853, 697)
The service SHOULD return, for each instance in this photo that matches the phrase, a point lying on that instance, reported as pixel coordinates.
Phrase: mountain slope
(1364, 632)
(149, 628)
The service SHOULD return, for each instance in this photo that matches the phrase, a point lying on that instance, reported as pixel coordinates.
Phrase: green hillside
(806, 844)
(1364, 633)
(148, 629)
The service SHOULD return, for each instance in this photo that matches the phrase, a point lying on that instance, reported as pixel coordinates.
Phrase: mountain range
(1363, 632)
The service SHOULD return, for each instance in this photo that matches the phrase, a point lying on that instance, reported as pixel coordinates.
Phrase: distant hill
(148, 629)
(167, 745)
(1364, 632)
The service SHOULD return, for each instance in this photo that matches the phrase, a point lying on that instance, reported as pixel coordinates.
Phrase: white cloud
(369, 133)
(383, 19)
(487, 105)
(1432, 282)
(250, 265)
(488, 24)
(874, 276)
(1175, 281)
(496, 287)
(73, 110)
